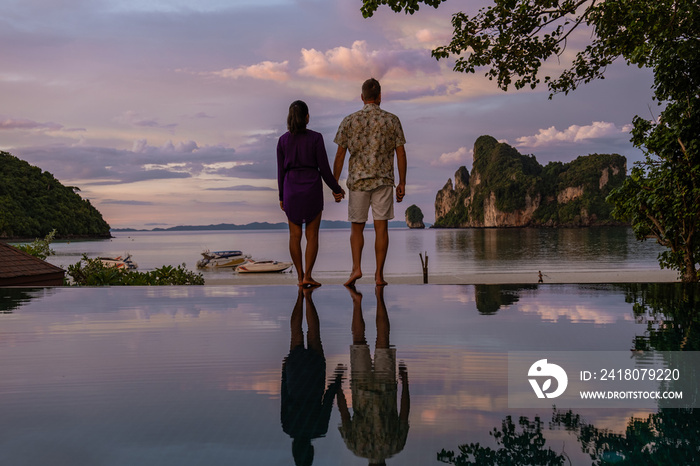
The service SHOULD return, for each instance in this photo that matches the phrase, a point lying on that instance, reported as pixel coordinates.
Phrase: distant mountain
(326, 224)
(33, 203)
(507, 189)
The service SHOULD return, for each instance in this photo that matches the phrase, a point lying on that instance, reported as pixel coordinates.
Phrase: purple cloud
(27, 124)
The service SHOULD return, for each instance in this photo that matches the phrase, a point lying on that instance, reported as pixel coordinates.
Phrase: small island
(507, 189)
(33, 203)
(414, 217)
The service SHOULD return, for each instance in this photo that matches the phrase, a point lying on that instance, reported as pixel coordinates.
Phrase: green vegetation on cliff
(596, 175)
(414, 214)
(504, 172)
(517, 191)
(33, 203)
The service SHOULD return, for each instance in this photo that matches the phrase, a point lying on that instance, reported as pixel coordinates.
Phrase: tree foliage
(662, 194)
(40, 247)
(33, 203)
(513, 38)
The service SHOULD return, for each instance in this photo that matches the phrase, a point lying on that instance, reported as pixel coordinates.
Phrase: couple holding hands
(371, 136)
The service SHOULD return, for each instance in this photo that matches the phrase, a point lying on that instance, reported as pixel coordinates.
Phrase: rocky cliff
(507, 189)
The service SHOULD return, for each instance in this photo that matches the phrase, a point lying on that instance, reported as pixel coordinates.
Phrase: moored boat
(221, 259)
(263, 266)
(125, 263)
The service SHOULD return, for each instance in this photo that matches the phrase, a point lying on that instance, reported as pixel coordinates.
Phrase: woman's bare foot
(379, 280)
(354, 276)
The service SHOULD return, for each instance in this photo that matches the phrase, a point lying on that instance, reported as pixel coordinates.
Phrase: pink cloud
(359, 62)
(431, 38)
(456, 158)
(266, 70)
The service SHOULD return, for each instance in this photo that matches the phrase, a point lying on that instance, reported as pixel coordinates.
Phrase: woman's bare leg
(295, 233)
(312, 228)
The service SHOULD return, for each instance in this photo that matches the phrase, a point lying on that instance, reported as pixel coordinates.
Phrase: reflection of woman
(301, 165)
(306, 403)
(377, 428)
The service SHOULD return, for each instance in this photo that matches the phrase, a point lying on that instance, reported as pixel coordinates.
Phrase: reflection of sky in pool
(192, 375)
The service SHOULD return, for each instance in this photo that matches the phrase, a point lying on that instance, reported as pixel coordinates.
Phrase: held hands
(400, 191)
(339, 196)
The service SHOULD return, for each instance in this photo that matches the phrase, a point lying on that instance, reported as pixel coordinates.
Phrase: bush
(40, 248)
(92, 272)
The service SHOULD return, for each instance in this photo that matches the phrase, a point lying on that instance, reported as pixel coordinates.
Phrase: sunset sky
(167, 112)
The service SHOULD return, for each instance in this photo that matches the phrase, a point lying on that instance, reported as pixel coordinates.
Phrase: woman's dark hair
(296, 120)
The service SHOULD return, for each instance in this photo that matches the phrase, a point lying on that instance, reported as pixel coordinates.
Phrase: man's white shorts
(381, 199)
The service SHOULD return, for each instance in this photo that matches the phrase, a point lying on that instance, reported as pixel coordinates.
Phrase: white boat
(263, 266)
(121, 263)
(221, 259)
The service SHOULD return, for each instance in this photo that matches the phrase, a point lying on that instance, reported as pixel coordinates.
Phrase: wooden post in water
(424, 264)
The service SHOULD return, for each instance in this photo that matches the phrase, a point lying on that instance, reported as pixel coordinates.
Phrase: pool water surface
(269, 375)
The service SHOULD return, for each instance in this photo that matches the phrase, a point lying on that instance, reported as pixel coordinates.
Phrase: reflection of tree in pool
(526, 446)
(14, 298)
(667, 437)
(490, 298)
(671, 312)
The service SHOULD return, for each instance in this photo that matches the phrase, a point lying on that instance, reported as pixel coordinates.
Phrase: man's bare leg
(381, 247)
(358, 321)
(357, 243)
(383, 326)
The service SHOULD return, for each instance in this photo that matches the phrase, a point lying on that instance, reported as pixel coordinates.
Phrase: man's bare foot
(310, 282)
(379, 280)
(300, 277)
(354, 276)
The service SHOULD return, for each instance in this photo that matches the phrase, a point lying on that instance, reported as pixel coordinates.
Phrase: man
(371, 135)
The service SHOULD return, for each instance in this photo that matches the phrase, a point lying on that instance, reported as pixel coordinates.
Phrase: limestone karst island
(508, 189)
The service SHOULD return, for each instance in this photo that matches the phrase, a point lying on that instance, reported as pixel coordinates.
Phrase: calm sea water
(449, 251)
(242, 375)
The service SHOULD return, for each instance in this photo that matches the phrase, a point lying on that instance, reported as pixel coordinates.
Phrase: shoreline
(480, 278)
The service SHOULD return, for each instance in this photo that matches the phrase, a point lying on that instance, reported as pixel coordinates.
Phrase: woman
(301, 165)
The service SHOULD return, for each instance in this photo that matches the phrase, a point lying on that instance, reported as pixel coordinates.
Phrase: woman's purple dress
(301, 164)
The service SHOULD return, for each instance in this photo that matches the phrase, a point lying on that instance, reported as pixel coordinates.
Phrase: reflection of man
(306, 407)
(377, 429)
(372, 135)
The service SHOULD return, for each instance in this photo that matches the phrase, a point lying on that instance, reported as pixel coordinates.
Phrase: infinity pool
(267, 375)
